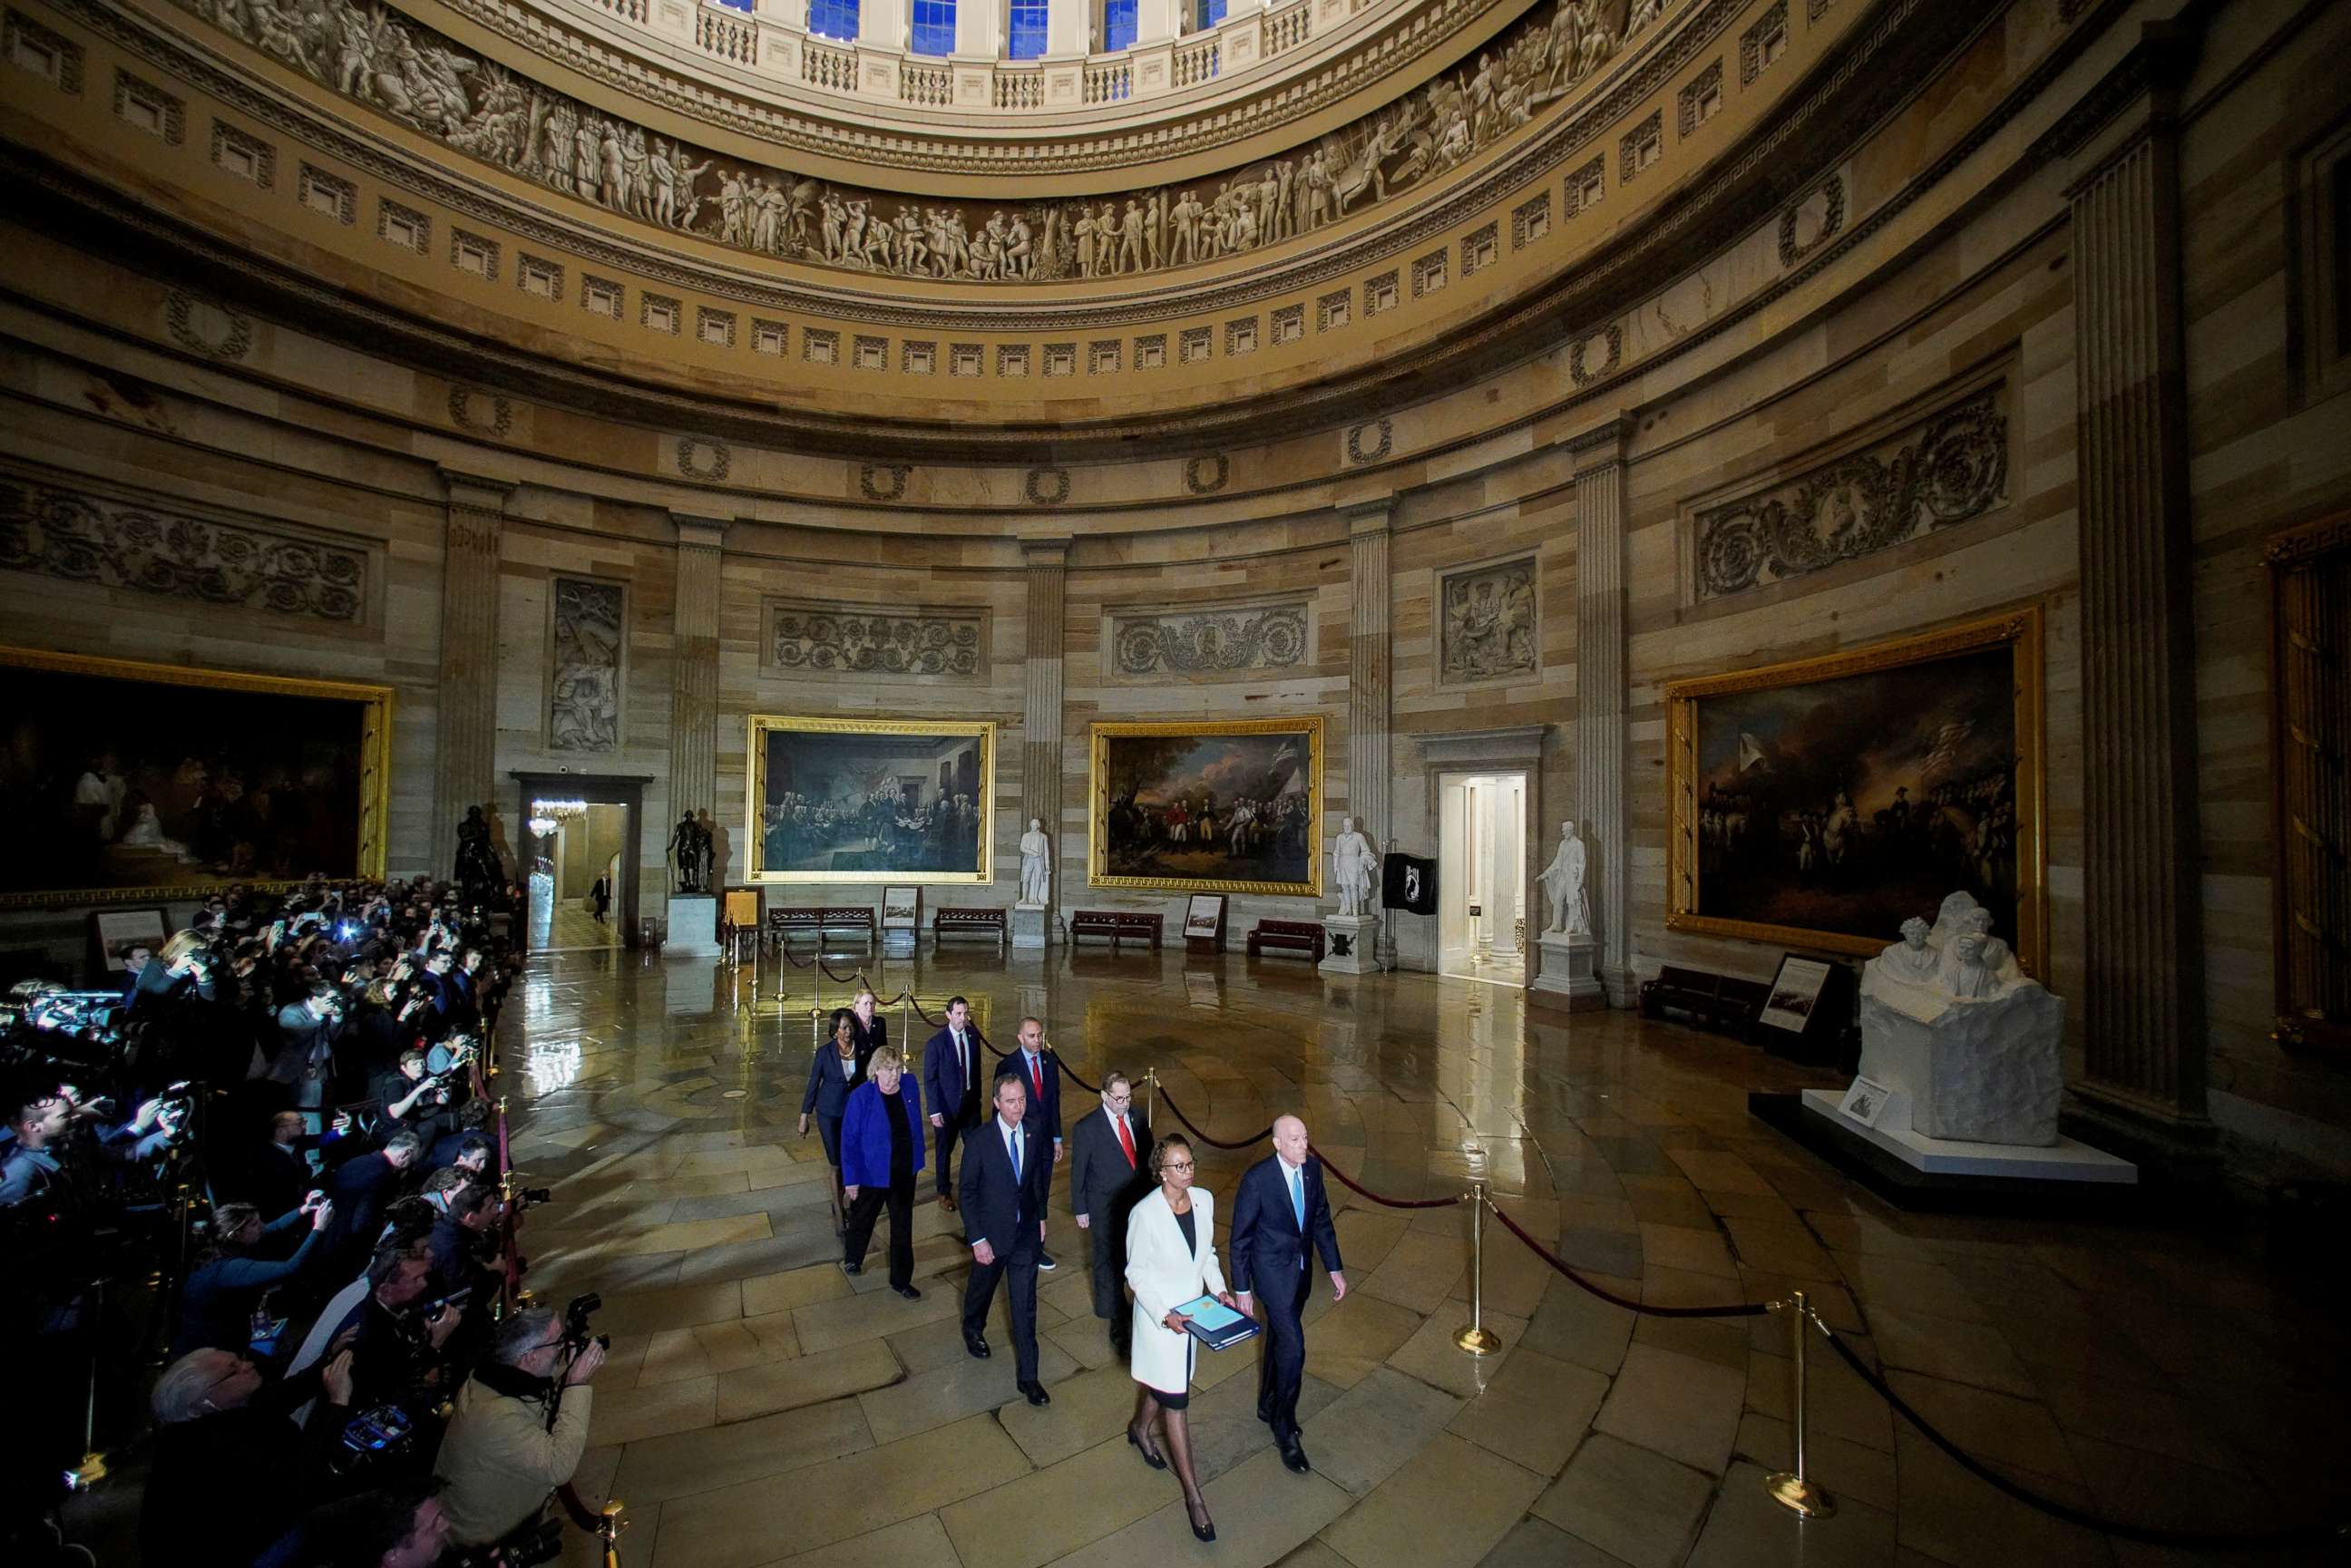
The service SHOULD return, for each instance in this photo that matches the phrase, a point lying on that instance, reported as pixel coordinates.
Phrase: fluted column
(1370, 684)
(465, 735)
(2143, 1003)
(1600, 704)
(1048, 564)
(694, 681)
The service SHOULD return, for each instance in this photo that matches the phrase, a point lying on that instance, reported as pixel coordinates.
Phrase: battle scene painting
(1199, 807)
(1825, 803)
(836, 801)
(127, 780)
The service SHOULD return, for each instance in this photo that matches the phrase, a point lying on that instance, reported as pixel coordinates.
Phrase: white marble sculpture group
(1949, 1019)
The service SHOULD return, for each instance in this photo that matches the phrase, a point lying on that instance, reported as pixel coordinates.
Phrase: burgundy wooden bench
(1118, 924)
(989, 923)
(1287, 935)
(821, 921)
(1721, 1002)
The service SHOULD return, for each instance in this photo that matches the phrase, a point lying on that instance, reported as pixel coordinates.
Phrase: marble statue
(1563, 884)
(1036, 866)
(1354, 867)
(1948, 1019)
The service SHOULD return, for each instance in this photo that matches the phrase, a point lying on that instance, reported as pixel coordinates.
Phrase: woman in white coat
(1171, 1259)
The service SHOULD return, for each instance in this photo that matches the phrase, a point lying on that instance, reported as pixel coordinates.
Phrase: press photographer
(521, 1424)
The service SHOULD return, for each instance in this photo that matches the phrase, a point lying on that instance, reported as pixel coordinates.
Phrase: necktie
(1036, 1073)
(1015, 1157)
(963, 1060)
(1126, 1141)
(1297, 1199)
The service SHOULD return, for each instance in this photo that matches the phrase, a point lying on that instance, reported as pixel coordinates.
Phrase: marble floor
(760, 1408)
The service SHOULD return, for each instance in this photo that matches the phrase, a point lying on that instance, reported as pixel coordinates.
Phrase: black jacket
(1266, 1243)
(1102, 1186)
(994, 1206)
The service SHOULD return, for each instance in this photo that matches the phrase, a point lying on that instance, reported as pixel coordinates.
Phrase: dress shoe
(1153, 1461)
(1294, 1457)
(909, 1291)
(1037, 1394)
(948, 1201)
(1200, 1532)
(976, 1345)
(852, 1267)
(1045, 1264)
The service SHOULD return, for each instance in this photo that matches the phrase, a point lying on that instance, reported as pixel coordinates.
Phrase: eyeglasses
(1118, 1099)
(1172, 1165)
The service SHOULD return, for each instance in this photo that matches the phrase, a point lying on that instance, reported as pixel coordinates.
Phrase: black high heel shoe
(1153, 1461)
(1201, 1531)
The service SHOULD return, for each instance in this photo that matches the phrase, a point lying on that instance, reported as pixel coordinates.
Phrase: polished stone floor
(760, 1408)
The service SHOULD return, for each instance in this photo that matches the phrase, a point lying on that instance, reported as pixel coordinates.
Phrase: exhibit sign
(1199, 807)
(901, 908)
(1796, 991)
(845, 800)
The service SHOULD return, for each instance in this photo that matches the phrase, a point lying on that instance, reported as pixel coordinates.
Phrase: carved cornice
(471, 492)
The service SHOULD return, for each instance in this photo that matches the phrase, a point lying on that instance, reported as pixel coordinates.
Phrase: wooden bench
(821, 921)
(947, 923)
(1118, 924)
(1721, 1002)
(1288, 936)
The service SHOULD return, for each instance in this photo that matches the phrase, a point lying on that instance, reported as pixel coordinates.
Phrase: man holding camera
(520, 1427)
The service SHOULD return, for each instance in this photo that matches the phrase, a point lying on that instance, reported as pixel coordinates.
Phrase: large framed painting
(1199, 807)
(127, 783)
(1823, 803)
(839, 800)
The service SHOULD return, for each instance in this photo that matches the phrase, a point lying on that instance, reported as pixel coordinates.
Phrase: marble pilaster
(2143, 1010)
(1047, 610)
(1600, 696)
(465, 735)
(694, 686)
(1371, 686)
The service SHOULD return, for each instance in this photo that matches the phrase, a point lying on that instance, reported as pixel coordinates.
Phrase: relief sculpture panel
(478, 106)
(583, 710)
(822, 638)
(1945, 469)
(1488, 630)
(88, 539)
(1209, 642)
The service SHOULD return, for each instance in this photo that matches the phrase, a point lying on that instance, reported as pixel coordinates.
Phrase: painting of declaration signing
(1201, 807)
(837, 800)
(1823, 803)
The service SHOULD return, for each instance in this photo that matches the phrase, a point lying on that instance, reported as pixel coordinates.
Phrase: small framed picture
(1205, 915)
(1866, 1100)
(115, 930)
(1795, 992)
(901, 908)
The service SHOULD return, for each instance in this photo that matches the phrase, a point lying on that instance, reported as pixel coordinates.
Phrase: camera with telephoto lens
(575, 1323)
(531, 1197)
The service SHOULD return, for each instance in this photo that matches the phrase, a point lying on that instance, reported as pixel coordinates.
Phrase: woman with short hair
(881, 1153)
(1171, 1259)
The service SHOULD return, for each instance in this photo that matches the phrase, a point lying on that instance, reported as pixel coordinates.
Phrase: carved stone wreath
(1831, 192)
(1212, 641)
(180, 309)
(876, 642)
(1383, 438)
(1048, 486)
(1207, 475)
(1955, 470)
(461, 414)
(693, 465)
(1581, 373)
(883, 481)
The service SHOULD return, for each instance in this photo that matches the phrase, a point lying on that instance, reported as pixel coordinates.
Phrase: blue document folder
(1215, 1324)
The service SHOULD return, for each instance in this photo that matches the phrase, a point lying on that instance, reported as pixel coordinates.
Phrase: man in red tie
(1041, 1070)
(1109, 1173)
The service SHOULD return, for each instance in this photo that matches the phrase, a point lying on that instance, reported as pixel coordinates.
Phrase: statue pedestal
(1030, 924)
(1569, 966)
(1349, 939)
(693, 926)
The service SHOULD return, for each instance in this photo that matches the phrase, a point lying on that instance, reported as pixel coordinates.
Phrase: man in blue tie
(1040, 1075)
(1281, 1208)
(1007, 1170)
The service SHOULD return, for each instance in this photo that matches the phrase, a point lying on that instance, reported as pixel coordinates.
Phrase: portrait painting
(1824, 802)
(129, 781)
(839, 800)
(1197, 806)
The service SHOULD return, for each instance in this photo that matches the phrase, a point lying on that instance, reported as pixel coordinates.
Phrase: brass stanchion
(1151, 1097)
(1475, 1337)
(609, 1525)
(1789, 1488)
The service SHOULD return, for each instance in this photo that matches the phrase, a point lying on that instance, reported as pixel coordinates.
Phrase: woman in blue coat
(880, 1153)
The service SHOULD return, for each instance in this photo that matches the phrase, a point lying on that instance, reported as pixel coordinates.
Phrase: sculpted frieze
(825, 638)
(583, 710)
(479, 107)
(1213, 641)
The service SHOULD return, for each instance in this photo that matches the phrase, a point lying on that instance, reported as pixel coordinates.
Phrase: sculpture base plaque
(1030, 924)
(1569, 966)
(1348, 941)
(693, 926)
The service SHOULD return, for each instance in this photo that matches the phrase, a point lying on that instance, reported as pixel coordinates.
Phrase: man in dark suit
(362, 1188)
(951, 1075)
(1110, 1172)
(1006, 1178)
(1281, 1206)
(1041, 1075)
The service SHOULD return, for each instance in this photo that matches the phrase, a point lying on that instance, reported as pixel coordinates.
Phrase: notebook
(1215, 1324)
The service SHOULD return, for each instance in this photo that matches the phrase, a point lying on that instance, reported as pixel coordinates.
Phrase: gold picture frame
(1107, 843)
(373, 763)
(1936, 718)
(762, 727)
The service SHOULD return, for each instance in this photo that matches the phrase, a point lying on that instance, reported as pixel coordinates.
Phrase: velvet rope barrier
(1360, 1190)
(1738, 1310)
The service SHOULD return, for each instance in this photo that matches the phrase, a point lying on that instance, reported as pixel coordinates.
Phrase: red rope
(1743, 1309)
(1169, 1101)
(1362, 1191)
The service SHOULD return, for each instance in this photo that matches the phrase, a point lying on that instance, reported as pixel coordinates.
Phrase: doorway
(578, 832)
(1481, 899)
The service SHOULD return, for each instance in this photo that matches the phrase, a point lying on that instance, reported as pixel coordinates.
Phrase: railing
(627, 10)
(1286, 29)
(721, 34)
(1198, 63)
(933, 86)
(827, 67)
(1109, 84)
(1023, 89)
